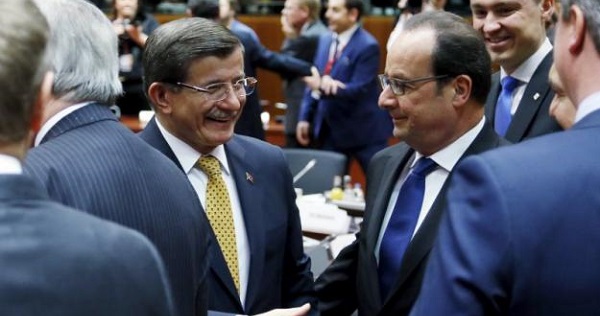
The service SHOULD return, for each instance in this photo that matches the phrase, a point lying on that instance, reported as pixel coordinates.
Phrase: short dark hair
(591, 12)
(459, 50)
(172, 47)
(356, 4)
(208, 9)
(23, 40)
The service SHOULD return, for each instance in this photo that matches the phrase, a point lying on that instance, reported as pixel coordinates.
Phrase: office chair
(313, 169)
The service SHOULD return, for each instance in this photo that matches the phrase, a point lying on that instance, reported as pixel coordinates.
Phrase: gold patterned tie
(220, 215)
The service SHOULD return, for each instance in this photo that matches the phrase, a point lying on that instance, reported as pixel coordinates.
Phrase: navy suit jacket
(90, 161)
(520, 236)
(352, 114)
(531, 118)
(59, 261)
(256, 55)
(351, 281)
(279, 275)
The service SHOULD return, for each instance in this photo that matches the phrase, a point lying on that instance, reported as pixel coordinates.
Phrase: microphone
(304, 170)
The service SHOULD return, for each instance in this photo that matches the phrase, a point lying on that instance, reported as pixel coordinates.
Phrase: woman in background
(133, 26)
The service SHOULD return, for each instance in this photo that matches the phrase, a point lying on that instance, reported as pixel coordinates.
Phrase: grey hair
(23, 38)
(84, 54)
(591, 12)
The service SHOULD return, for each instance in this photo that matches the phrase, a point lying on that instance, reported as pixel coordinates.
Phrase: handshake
(322, 84)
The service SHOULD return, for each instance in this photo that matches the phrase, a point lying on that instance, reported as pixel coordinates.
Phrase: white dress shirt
(525, 71)
(446, 159)
(187, 157)
(10, 165)
(590, 104)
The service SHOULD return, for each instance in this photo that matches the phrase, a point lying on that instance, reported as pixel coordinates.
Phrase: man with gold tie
(195, 81)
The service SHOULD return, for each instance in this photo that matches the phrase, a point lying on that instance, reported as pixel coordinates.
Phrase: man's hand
(302, 133)
(298, 311)
(330, 86)
(314, 80)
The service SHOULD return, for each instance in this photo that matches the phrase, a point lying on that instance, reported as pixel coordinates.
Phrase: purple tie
(503, 117)
(401, 226)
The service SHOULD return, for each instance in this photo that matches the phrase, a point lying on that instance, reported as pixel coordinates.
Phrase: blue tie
(401, 226)
(504, 104)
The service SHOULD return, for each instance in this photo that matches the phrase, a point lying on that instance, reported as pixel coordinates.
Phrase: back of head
(172, 47)
(208, 9)
(23, 36)
(459, 50)
(591, 11)
(83, 52)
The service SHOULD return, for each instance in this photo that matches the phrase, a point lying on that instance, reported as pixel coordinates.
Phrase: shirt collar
(587, 106)
(526, 70)
(448, 156)
(345, 36)
(188, 156)
(10, 165)
(55, 119)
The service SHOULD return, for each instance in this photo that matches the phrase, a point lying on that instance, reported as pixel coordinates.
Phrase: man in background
(520, 236)
(302, 27)
(85, 158)
(437, 77)
(339, 111)
(56, 260)
(515, 36)
(196, 84)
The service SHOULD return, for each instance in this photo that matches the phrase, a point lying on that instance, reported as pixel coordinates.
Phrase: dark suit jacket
(90, 161)
(59, 261)
(351, 281)
(520, 236)
(531, 118)
(279, 274)
(352, 114)
(256, 55)
(303, 47)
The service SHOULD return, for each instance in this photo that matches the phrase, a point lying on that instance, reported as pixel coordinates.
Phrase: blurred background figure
(408, 8)
(133, 25)
(302, 27)
(561, 108)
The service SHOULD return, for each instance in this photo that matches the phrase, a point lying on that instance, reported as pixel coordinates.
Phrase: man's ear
(161, 97)
(547, 7)
(577, 30)
(43, 99)
(462, 90)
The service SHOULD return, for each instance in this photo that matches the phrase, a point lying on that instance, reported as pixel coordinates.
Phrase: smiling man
(515, 36)
(437, 76)
(196, 84)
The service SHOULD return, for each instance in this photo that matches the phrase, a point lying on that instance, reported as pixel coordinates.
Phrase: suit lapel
(249, 185)
(423, 241)
(535, 93)
(152, 135)
(490, 103)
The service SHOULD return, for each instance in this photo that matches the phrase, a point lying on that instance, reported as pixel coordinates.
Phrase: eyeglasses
(399, 87)
(219, 91)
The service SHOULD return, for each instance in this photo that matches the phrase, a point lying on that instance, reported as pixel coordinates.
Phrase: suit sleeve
(336, 286)
(276, 62)
(364, 75)
(470, 263)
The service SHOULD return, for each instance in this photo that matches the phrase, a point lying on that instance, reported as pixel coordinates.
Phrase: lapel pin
(249, 177)
(536, 96)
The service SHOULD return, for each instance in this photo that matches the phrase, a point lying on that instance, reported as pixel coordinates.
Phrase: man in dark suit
(255, 55)
(341, 111)
(196, 84)
(56, 260)
(437, 77)
(302, 28)
(88, 160)
(517, 42)
(520, 236)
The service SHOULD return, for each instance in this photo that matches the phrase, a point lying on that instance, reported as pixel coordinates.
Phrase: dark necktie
(503, 117)
(401, 226)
